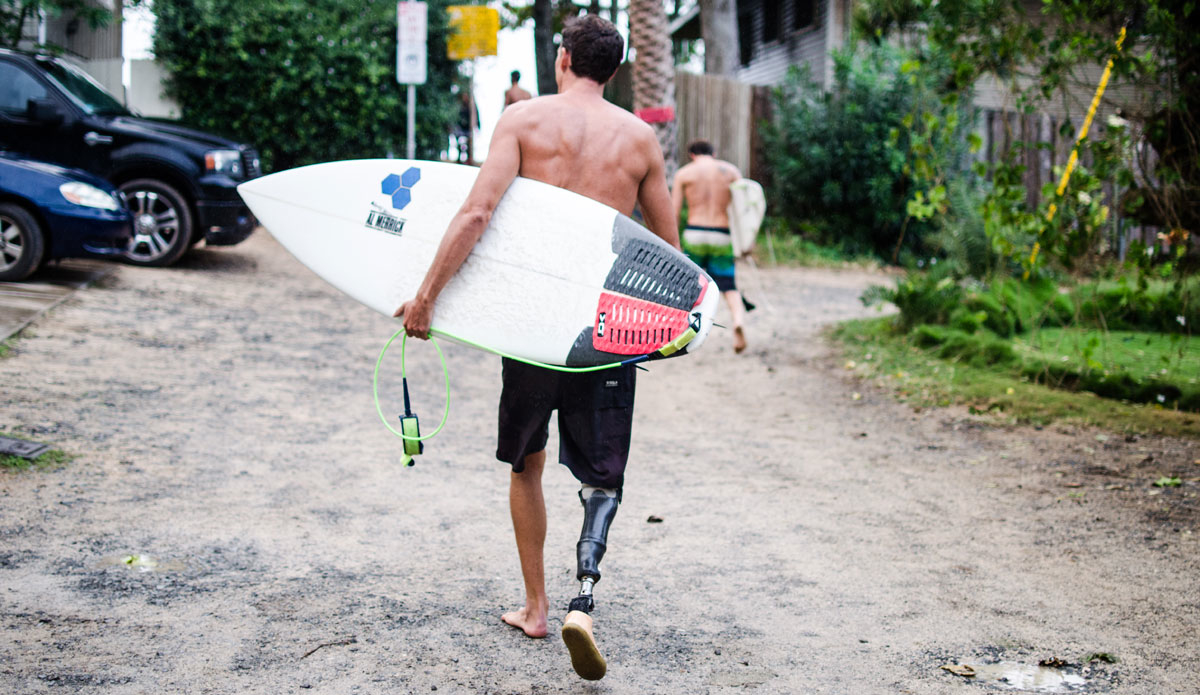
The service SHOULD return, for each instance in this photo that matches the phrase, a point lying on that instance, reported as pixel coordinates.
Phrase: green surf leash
(410, 430)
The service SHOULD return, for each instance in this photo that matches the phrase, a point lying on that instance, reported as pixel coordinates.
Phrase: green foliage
(854, 161)
(1067, 233)
(1039, 56)
(304, 81)
(781, 245)
(1008, 306)
(15, 13)
(1090, 337)
(920, 377)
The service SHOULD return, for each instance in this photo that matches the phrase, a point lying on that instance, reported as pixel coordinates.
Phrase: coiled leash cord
(410, 430)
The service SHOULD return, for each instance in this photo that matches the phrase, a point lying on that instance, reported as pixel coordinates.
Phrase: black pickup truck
(179, 183)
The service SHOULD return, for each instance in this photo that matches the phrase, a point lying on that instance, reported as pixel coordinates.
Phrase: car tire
(162, 223)
(22, 243)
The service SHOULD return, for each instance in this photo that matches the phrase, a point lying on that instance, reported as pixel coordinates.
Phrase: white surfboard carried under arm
(557, 278)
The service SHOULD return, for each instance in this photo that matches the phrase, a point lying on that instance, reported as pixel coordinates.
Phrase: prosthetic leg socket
(598, 512)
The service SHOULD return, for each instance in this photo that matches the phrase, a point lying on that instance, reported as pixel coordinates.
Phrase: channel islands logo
(398, 187)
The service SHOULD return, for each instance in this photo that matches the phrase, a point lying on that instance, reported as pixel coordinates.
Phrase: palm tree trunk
(654, 72)
(543, 45)
(719, 29)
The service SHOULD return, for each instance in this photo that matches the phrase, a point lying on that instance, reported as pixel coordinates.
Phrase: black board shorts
(595, 419)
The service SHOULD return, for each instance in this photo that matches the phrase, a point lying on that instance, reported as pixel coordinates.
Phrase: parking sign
(411, 52)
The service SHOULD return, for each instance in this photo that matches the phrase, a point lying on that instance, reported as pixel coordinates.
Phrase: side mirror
(44, 111)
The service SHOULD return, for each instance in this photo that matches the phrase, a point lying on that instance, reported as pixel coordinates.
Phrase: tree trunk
(543, 45)
(719, 29)
(654, 71)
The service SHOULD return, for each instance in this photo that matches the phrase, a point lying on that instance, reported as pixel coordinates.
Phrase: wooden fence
(727, 114)
(1048, 142)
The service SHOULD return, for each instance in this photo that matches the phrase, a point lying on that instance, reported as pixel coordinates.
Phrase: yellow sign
(473, 30)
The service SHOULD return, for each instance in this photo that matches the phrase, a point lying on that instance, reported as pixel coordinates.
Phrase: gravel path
(810, 542)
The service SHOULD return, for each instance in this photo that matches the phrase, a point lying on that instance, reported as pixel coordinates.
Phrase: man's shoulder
(685, 172)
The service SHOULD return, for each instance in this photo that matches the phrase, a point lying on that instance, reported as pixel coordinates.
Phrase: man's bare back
(514, 94)
(704, 184)
(587, 145)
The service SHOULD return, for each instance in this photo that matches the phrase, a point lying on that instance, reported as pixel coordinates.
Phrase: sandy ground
(810, 542)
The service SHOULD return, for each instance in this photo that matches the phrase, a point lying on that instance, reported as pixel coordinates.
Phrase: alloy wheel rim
(155, 225)
(12, 247)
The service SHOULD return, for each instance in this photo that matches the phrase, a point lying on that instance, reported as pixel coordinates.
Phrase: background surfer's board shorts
(595, 419)
(711, 248)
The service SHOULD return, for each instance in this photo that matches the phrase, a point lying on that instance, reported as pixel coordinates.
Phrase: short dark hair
(700, 147)
(516, 75)
(595, 46)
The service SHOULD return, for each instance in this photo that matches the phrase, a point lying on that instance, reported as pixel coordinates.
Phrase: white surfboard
(747, 207)
(557, 277)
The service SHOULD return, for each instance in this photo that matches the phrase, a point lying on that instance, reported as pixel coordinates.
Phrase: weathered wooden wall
(724, 112)
(1048, 140)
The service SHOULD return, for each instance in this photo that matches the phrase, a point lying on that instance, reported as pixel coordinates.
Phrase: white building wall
(145, 94)
(107, 72)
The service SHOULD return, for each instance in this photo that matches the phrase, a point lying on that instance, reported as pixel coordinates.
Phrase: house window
(772, 19)
(746, 37)
(804, 13)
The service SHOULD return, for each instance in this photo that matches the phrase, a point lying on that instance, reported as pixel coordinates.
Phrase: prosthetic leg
(599, 508)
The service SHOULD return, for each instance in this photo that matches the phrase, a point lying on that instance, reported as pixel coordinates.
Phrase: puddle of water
(1036, 679)
(144, 563)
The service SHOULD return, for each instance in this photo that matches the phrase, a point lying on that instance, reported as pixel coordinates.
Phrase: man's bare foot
(585, 656)
(739, 339)
(532, 623)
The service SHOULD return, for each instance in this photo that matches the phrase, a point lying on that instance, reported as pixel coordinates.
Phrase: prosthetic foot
(586, 658)
(599, 508)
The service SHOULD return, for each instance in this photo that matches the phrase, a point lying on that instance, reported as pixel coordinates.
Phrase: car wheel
(21, 243)
(162, 222)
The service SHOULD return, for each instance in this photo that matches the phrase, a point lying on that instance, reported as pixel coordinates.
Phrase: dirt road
(237, 521)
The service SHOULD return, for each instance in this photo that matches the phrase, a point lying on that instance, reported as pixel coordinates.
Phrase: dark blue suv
(179, 183)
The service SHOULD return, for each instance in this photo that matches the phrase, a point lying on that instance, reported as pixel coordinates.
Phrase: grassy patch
(778, 245)
(53, 458)
(1145, 356)
(920, 377)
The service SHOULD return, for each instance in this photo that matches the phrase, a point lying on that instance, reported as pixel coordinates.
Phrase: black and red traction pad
(649, 298)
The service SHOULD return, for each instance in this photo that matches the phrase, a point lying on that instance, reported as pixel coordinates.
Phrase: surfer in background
(578, 141)
(704, 184)
(514, 93)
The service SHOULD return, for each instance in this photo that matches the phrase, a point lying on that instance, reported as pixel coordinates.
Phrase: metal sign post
(411, 59)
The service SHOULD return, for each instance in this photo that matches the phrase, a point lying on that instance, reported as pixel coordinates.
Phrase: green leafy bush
(304, 81)
(853, 161)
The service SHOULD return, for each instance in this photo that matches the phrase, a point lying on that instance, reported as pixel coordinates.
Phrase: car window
(83, 90)
(17, 87)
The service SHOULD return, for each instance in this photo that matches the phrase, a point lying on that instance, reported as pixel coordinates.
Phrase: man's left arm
(468, 225)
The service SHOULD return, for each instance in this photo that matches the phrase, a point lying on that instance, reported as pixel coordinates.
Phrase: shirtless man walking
(704, 184)
(578, 141)
(514, 93)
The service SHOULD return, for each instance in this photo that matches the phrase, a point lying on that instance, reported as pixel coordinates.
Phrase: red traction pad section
(628, 326)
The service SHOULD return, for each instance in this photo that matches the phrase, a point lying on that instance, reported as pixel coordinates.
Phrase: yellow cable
(1074, 158)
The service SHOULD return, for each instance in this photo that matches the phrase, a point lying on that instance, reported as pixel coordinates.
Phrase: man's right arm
(655, 198)
(468, 225)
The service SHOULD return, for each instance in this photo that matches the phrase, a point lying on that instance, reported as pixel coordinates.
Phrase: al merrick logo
(399, 189)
